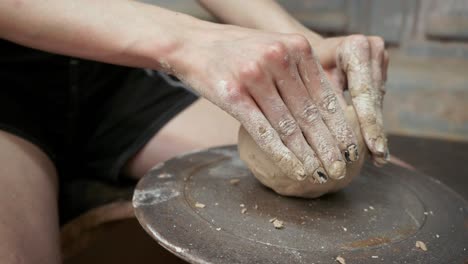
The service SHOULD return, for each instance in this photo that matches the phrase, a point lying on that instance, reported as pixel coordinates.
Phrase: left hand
(358, 63)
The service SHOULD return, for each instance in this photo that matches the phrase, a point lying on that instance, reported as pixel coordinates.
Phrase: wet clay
(268, 172)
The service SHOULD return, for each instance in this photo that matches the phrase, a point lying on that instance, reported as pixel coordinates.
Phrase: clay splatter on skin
(165, 66)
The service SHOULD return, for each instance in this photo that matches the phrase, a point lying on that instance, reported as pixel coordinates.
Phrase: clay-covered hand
(275, 86)
(355, 62)
(359, 63)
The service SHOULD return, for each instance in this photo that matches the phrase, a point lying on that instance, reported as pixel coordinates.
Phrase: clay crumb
(255, 206)
(371, 207)
(244, 210)
(278, 224)
(218, 229)
(272, 220)
(345, 229)
(164, 175)
(437, 236)
(365, 210)
(421, 245)
(199, 205)
(375, 257)
(234, 181)
(242, 205)
(340, 260)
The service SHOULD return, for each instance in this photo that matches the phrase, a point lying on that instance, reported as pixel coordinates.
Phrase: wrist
(160, 39)
(173, 54)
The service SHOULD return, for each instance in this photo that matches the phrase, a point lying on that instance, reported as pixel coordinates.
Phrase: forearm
(260, 14)
(120, 32)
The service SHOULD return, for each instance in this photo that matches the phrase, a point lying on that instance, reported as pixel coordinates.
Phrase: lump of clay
(268, 173)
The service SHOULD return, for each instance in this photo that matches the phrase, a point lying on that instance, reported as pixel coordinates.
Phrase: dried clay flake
(421, 245)
(199, 205)
(234, 181)
(278, 224)
(340, 260)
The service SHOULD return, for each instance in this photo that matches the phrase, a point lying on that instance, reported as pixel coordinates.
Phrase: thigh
(29, 231)
(202, 125)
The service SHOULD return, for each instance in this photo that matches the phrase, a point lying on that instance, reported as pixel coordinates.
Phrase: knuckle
(310, 113)
(329, 102)
(300, 43)
(359, 41)
(251, 71)
(287, 127)
(233, 93)
(275, 51)
(377, 42)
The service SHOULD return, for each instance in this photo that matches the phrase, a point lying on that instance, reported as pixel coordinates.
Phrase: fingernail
(320, 175)
(337, 169)
(380, 145)
(381, 161)
(351, 153)
(387, 155)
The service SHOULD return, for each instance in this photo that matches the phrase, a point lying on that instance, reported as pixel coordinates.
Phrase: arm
(120, 32)
(262, 14)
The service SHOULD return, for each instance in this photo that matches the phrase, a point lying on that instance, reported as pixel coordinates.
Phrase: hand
(359, 63)
(275, 86)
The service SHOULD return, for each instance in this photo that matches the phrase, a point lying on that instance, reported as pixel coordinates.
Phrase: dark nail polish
(346, 155)
(322, 176)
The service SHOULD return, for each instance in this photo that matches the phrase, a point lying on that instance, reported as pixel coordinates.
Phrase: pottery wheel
(192, 208)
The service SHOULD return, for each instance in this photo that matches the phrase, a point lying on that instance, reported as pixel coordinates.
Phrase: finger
(330, 107)
(355, 59)
(267, 98)
(298, 100)
(379, 66)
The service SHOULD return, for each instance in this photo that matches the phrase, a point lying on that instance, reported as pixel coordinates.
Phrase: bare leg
(29, 230)
(201, 125)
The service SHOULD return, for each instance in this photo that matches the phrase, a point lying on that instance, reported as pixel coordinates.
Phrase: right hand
(274, 85)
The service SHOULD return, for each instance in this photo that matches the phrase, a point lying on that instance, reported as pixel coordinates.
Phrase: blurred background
(427, 89)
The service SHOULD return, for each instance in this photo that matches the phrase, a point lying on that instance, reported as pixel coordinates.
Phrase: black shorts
(89, 117)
